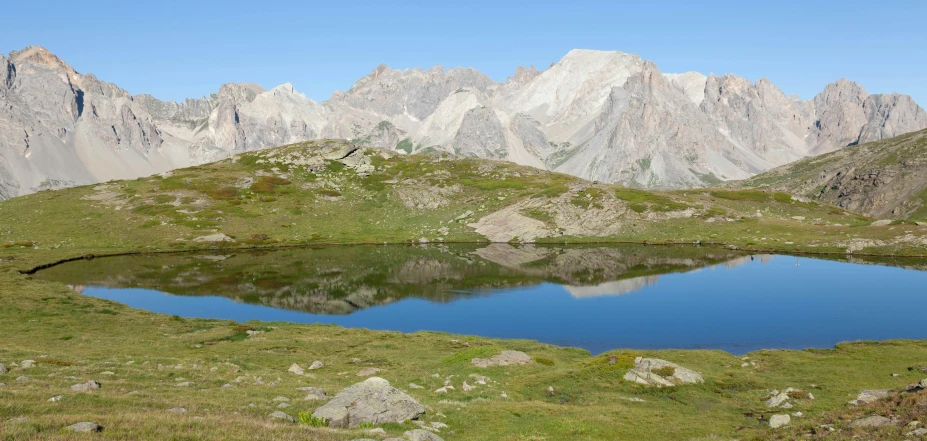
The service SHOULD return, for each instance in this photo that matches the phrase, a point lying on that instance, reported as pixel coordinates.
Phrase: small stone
(787, 406)
(27, 364)
(504, 395)
(415, 386)
(442, 390)
(278, 415)
(185, 384)
(18, 420)
(743, 365)
(798, 414)
(316, 365)
(3, 368)
(314, 393)
(177, 410)
(377, 431)
(296, 369)
(107, 373)
(85, 387)
(368, 372)
(85, 427)
(55, 398)
(283, 405)
(917, 432)
(439, 425)
(22, 379)
(481, 380)
(227, 386)
(550, 390)
(281, 400)
(467, 387)
(777, 421)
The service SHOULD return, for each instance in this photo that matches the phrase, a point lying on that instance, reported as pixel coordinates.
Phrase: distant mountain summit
(606, 116)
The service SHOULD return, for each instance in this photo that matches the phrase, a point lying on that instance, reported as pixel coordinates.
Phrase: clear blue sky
(175, 50)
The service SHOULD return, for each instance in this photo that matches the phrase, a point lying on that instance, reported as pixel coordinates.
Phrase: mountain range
(603, 116)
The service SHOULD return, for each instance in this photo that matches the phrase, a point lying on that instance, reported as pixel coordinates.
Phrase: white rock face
(606, 116)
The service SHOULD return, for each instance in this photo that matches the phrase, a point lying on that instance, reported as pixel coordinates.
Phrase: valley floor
(230, 382)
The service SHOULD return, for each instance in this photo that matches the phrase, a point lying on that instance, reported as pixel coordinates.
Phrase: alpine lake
(593, 297)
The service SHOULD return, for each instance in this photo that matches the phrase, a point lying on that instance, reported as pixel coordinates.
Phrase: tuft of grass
(330, 193)
(640, 201)
(267, 184)
(308, 419)
(223, 194)
(610, 364)
(665, 371)
(544, 361)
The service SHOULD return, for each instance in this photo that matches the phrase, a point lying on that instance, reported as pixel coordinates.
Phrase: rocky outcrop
(661, 373)
(372, 401)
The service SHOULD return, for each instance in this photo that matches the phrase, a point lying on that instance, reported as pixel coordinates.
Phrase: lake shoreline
(791, 252)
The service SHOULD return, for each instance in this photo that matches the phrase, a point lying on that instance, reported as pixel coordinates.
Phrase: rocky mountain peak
(40, 56)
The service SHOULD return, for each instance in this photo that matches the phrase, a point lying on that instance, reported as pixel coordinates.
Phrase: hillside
(599, 115)
(330, 191)
(884, 180)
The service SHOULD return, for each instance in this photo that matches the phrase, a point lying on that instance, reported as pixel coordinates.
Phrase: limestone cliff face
(606, 116)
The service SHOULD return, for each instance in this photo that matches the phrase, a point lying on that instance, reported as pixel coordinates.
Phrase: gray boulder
(506, 358)
(85, 387)
(421, 435)
(3, 368)
(278, 415)
(661, 373)
(777, 400)
(870, 395)
(777, 421)
(84, 427)
(371, 401)
(213, 238)
(872, 421)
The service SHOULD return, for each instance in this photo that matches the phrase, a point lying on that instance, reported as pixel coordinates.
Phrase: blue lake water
(737, 303)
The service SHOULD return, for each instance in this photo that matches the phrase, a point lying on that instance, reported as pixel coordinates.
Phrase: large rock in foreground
(660, 373)
(371, 401)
